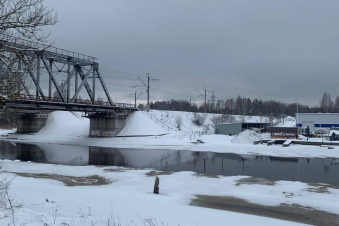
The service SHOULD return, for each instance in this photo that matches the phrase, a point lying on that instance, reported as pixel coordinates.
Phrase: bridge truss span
(40, 62)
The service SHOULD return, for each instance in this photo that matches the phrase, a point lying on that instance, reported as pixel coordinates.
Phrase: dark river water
(321, 170)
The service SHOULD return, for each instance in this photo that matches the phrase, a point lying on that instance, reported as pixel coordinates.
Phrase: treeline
(248, 106)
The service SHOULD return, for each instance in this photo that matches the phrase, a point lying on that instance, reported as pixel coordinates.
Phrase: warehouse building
(238, 127)
(317, 120)
(283, 132)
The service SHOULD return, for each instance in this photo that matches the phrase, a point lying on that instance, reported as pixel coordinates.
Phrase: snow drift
(248, 136)
(61, 123)
(139, 124)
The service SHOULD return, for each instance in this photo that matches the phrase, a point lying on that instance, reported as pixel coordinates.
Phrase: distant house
(238, 127)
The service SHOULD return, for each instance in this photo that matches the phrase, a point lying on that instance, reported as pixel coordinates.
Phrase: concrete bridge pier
(106, 124)
(31, 122)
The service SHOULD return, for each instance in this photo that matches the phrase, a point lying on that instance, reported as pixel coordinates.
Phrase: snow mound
(208, 121)
(62, 123)
(247, 137)
(287, 122)
(140, 124)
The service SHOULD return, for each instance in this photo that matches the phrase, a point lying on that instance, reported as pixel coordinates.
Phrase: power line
(112, 77)
(113, 84)
(178, 84)
(177, 88)
(121, 72)
(156, 91)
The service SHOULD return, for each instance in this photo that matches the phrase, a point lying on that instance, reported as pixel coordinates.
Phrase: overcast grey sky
(286, 50)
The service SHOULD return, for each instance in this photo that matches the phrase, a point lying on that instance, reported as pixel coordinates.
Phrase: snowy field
(127, 198)
(87, 195)
(68, 128)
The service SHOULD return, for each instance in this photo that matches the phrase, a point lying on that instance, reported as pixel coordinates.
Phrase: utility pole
(149, 79)
(297, 121)
(38, 80)
(212, 98)
(135, 97)
(19, 76)
(190, 104)
(205, 96)
(50, 80)
(243, 105)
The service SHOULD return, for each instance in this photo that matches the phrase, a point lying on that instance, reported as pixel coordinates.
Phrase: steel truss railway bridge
(30, 59)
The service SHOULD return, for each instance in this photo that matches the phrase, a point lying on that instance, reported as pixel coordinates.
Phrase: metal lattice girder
(6, 72)
(59, 55)
(84, 81)
(52, 77)
(82, 76)
(104, 86)
(63, 86)
(32, 75)
(26, 88)
(37, 97)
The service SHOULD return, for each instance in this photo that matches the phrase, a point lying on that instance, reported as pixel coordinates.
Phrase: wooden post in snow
(156, 185)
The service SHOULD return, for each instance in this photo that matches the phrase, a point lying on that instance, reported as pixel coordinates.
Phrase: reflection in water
(29, 152)
(105, 157)
(321, 170)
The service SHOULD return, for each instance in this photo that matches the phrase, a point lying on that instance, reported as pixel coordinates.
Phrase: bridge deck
(56, 104)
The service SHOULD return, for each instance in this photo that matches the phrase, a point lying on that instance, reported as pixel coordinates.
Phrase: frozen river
(319, 170)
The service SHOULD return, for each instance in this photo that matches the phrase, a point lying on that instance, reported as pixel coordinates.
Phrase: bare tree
(216, 119)
(178, 122)
(326, 103)
(199, 119)
(20, 20)
(7, 203)
(25, 18)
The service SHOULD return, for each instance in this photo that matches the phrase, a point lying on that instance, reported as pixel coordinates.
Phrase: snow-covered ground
(6, 131)
(65, 124)
(130, 199)
(129, 196)
(186, 121)
(67, 128)
(249, 136)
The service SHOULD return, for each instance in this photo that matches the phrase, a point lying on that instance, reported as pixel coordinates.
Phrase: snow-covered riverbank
(213, 143)
(46, 199)
(67, 128)
(89, 195)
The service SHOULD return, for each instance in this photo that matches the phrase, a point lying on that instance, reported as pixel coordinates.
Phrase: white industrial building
(317, 120)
